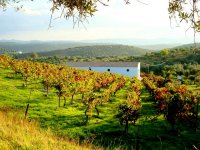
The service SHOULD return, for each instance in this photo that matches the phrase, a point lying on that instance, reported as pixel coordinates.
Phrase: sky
(143, 23)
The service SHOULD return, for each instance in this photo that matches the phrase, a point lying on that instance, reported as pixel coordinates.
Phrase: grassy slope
(103, 130)
(17, 133)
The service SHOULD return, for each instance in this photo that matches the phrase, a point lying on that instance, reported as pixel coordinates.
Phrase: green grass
(104, 130)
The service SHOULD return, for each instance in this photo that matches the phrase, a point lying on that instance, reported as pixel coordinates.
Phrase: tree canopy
(186, 11)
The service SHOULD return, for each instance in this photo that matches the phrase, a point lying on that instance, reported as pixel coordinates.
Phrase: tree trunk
(126, 126)
(72, 100)
(64, 101)
(137, 143)
(82, 96)
(47, 93)
(86, 121)
(59, 100)
(197, 111)
(26, 81)
(96, 110)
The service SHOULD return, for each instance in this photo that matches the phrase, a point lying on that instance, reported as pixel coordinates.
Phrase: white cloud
(31, 12)
(35, 8)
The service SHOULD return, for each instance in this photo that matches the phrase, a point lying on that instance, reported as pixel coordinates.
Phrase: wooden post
(26, 112)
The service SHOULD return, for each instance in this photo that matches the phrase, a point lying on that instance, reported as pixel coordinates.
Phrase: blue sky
(117, 21)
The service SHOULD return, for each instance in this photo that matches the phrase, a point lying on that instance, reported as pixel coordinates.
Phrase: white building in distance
(19, 52)
(130, 69)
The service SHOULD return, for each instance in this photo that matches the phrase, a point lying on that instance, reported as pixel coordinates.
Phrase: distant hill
(96, 51)
(38, 46)
(187, 45)
(183, 54)
(141, 41)
(158, 47)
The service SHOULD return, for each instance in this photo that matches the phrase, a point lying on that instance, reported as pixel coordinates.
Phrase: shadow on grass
(115, 140)
(151, 135)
